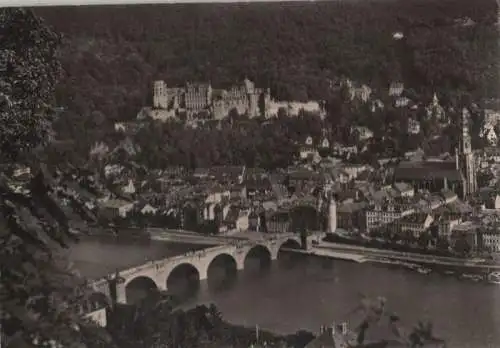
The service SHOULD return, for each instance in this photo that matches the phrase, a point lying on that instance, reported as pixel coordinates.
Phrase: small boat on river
(473, 277)
(423, 270)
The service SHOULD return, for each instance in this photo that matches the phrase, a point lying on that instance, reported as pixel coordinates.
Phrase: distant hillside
(112, 53)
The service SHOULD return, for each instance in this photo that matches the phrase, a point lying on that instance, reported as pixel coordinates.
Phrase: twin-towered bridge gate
(157, 274)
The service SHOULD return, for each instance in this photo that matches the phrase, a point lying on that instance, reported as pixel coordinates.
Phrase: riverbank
(462, 269)
(342, 244)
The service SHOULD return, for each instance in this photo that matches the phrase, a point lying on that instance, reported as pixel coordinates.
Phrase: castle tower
(332, 215)
(266, 103)
(467, 163)
(253, 104)
(209, 93)
(160, 98)
(249, 86)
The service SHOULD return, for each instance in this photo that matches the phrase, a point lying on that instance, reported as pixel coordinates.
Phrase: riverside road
(369, 253)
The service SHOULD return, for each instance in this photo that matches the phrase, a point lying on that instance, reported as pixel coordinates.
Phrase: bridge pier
(121, 294)
(203, 272)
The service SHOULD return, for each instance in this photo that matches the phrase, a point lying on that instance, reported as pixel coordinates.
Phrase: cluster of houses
(231, 199)
(407, 196)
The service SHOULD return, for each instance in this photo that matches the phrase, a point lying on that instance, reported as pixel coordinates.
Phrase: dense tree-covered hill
(112, 53)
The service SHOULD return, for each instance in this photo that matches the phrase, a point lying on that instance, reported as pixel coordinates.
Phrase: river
(316, 292)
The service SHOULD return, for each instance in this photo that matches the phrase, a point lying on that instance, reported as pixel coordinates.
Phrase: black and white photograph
(247, 174)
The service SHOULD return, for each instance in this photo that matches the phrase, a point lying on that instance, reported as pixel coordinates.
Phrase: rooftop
(427, 170)
(418, 218)
(115, 203)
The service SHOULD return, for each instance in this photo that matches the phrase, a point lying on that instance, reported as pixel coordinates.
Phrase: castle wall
(195, 98)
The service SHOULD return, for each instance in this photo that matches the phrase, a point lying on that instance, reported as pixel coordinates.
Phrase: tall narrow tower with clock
(466, 157)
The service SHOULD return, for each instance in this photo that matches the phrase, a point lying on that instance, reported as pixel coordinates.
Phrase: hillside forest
(112, 54)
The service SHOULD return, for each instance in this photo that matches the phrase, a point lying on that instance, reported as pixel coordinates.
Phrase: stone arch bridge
(157, 272)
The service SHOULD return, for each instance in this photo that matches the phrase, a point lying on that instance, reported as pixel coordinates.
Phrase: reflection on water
(297, 293)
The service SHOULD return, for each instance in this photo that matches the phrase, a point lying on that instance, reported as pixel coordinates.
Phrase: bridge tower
(332, 214)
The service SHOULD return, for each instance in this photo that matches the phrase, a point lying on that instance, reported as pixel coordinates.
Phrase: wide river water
(316, 292)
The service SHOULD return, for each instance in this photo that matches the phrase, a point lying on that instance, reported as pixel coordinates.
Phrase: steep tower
(266, 103)
(467, 163)
(160, 98)
(252, 97)
(209, 93)
(332, 215)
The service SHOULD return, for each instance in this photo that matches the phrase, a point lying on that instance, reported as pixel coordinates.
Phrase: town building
(301, 180)
(466, 231)
(363, 93)
(277, 222)
(458, 176)
(413, 126)
(491, 241)
(351, 215)
(311, 147)
(396, 89)
(404, 189)
(490, 155)
(364, 133)
(294, 108)
(114, 208)
(446, 226)
(435, 110)
(385, 213)
(401, 102)
(344, 151)
(416, 224)
(221, 174)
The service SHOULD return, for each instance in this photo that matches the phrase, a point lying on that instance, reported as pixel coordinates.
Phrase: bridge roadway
(157, 272)
(318, 251)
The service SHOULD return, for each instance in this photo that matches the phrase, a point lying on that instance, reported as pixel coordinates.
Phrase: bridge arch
(221, 269)
(259, 256)
(139, 288)
(288, 259)
(290, 243)
(183, 279)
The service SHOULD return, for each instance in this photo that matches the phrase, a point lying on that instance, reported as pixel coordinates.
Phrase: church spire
(465, 140)
(467, 162)
(435, 100)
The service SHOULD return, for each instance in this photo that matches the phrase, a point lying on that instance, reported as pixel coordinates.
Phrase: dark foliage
(29, 71)
(112, 54)
(155, 323)
(39, 293)
(247, 142)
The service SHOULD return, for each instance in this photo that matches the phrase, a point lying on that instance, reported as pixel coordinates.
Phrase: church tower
(467, 162)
